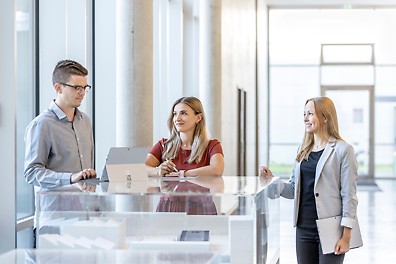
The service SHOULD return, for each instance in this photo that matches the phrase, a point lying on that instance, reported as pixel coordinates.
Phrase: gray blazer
(335, 183)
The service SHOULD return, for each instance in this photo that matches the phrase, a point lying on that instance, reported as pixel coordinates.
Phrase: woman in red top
(188, 151)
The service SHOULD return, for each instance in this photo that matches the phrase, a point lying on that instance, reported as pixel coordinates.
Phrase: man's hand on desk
(82, 175)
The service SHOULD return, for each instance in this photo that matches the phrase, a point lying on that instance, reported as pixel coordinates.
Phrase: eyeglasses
(85, 88)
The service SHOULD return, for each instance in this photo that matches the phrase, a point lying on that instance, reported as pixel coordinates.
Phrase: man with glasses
(59, 141)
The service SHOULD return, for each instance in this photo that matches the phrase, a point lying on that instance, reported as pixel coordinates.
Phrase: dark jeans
(309, 251)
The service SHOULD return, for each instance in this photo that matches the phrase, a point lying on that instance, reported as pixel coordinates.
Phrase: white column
(210, 64)
(7, 125)
(134, 73)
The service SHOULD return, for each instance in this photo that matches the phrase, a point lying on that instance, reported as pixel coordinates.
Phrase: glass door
(355, 118)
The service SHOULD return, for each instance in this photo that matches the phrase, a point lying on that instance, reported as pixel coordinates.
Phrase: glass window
(385, 138)
(385, 81)
(347, 75)
(286, 112)
(295, 38)
(25, 104)
(347, 54)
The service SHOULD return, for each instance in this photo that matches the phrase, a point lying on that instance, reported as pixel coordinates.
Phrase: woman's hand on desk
(266, 172)
(166, 168)
(82, 175)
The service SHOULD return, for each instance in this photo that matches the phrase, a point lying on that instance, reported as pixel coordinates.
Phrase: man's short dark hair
(66, 68)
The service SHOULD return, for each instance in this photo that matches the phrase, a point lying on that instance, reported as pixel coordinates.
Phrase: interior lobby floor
(377, 219)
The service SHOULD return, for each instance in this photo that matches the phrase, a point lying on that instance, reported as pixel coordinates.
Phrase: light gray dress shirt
(57, 147)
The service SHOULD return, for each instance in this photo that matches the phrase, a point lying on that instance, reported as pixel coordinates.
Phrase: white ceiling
(332, 3)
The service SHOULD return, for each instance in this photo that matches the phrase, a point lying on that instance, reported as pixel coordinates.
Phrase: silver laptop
(330, 231)
(125, 164)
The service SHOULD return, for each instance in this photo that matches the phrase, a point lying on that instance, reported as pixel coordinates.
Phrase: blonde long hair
(200, 137)
(325, 110)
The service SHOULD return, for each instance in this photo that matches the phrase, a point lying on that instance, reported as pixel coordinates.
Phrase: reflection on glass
(52, 206)
(196, 203)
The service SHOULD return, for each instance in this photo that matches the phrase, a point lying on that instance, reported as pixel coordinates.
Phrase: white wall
(239, 70)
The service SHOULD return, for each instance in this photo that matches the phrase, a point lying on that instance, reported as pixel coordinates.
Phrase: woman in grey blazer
(323, 183)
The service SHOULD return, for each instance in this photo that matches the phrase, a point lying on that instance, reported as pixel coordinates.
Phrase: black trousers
(309, 251)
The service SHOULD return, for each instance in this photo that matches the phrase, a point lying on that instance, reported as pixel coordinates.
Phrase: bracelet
(182, 173)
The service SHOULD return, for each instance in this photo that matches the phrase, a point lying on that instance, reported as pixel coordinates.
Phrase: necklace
(320, 145)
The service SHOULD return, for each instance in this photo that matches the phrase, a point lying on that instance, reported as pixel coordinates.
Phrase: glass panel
(282, 157)
(301, 83)
(353, 120)
(347, 75)
(385, 81)
(286, 113)
(385, 139)
(24, 239)
(295, 38)
(347, 54)
(107, 256)
(223, 212)
(25, 93)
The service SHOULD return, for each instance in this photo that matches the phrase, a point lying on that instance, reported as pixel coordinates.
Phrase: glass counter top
(234, 185)
(51, 256)
(236, 213)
